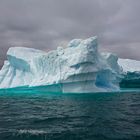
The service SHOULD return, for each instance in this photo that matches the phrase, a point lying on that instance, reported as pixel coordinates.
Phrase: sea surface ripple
(102, 116)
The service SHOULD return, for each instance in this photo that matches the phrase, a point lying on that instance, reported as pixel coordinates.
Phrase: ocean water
(56, 116)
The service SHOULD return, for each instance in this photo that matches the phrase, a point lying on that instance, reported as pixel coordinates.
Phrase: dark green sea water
(46, 116)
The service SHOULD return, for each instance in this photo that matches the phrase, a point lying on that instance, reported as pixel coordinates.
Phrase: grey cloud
(44, 24)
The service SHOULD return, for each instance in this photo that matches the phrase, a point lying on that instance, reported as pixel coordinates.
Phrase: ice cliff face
(78, 68)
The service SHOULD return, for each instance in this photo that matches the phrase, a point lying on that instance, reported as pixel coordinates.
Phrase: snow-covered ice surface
(129, 65)
(78, 68)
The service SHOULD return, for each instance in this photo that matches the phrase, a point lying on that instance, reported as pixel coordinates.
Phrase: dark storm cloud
(45, 24)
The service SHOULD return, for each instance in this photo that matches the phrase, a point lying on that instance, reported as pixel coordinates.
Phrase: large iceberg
(79, 67)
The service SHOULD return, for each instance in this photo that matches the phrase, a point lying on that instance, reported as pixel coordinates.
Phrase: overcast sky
(45, 24)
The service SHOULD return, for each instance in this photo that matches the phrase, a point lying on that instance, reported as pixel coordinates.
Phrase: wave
(32, 132)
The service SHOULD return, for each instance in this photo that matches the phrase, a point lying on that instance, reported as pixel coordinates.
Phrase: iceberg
(131, 69)
(78, 68)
